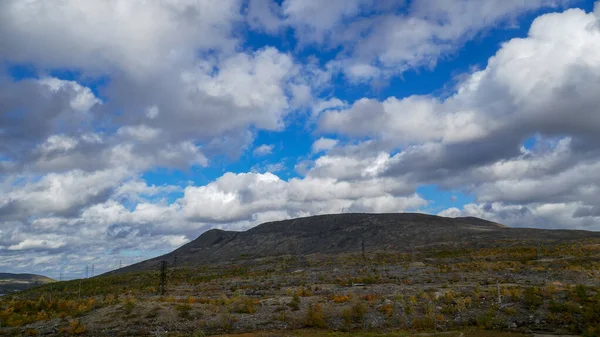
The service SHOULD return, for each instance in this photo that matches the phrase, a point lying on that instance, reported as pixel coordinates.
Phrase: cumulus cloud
(404, 121)
(43, 105)
(381, 38)
(242, 198)
(527, 87)
(69, 213)
(168, 93)
(183, 90)
(473, 139)
(57, 193)
(135, 36)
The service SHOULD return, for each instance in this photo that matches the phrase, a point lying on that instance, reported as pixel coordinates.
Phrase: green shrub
(128, 306)
(295, 302)
(532, 298)
(581, 293)
(183, 310)
(485, 320)
(355, 313)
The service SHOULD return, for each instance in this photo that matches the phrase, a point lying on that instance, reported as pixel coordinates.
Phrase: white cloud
(141, 133)
(324, 144)
(263, 150)
(274, 168)
(84, 98)
(60, 193)
(174, 155)
(37, 243)
(251, 81)
(133, 35)
(136, 189)
(527, 87)
(264, 15)
(334, 185)
(314, 19)
(151, 52)
(536, 215)
(152, 112)
(386, 38)
(58, 143)
(472, 140)
(51, 111)
(362, 71)
(325, 105)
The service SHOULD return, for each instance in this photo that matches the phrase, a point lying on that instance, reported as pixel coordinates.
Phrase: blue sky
(130, 130)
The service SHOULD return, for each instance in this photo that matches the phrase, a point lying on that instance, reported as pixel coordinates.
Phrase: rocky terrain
(354, 275)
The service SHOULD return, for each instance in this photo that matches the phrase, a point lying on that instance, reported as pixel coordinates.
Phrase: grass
(340, 292)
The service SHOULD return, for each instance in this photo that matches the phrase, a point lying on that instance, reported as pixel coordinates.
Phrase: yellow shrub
(314, 316)
(304, 292)
(371, 297)
(110, 299)
(341, 298)
(41, 316)
(76, 327)
(387, 310)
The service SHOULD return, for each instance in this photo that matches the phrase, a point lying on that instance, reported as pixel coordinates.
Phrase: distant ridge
(347, 233)
(10, 283)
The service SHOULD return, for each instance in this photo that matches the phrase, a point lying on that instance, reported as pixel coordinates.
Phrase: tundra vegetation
(475, 291)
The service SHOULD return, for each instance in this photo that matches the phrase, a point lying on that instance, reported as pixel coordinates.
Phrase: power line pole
(92, 270)
(60, 277)
(86, 270)
(362, 247)
(499, 293)
(120, 264)
(163, 277)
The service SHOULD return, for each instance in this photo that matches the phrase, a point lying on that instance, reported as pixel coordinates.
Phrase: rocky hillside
(347, 233)
(16, 282)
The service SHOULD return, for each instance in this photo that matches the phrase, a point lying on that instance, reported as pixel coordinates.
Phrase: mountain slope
(16, 282)
(346, 233)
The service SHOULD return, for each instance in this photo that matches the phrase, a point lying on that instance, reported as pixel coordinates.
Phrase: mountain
(348, 233)
(16, 282)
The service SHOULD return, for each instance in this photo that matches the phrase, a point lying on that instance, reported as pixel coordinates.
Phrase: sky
(129, 127)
